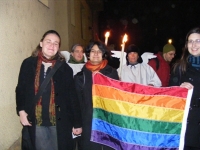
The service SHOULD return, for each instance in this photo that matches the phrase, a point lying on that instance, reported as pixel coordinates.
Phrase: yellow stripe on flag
(138, 110)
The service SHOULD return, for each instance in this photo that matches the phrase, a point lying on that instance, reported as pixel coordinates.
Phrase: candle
(122, 54)
(106, 37)
(170, 41)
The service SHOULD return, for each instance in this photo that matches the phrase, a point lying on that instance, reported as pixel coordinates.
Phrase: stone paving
(16, 145)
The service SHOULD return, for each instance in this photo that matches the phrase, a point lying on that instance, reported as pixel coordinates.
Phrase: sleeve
(152, 63)
(175, 77)
(75, 103)
(79, 85)
(115, 74)
(154, 80)
(20, 90)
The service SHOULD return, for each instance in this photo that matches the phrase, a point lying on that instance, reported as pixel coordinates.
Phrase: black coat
(66, 105)
(83, 82)
(192, 136)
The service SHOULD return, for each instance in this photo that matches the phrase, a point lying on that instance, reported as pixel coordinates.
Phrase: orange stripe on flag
(135, 98)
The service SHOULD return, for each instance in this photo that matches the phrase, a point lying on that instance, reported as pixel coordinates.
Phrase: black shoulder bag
(26, 138)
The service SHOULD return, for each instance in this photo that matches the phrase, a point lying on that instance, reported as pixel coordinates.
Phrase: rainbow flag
(128, 116)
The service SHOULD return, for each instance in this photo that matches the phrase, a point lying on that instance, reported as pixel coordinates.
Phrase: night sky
(148, 23)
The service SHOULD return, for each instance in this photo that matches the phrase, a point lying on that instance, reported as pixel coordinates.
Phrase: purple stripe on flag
(102, 138)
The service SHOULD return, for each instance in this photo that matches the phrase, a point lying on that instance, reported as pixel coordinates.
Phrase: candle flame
(170, 41)
(107, 34)
(125, 38)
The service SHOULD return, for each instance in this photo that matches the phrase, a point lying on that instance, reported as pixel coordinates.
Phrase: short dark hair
(101, 46)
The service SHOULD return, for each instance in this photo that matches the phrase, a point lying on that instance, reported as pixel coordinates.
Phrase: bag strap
(44, 84)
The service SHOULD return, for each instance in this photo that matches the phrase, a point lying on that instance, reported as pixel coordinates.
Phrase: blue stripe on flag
(136, 137)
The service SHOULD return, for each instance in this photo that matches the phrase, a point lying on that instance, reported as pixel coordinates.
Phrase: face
(133, 57)
(169, 56)
(194, 44)
(50, 45)
(96, 55)
(78, 53)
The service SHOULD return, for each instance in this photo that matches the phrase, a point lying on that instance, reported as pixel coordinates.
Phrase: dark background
(149, 24)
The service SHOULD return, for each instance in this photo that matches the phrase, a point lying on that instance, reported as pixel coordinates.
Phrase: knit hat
(168, 47)
(133, 48)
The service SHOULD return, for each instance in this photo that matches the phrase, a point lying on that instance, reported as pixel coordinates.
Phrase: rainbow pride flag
(128, 116)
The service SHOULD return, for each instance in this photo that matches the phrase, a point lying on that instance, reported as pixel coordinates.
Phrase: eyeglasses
(197, 41)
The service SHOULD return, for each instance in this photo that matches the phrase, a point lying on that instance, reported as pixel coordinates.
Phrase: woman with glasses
(97, 55)
(186, 73)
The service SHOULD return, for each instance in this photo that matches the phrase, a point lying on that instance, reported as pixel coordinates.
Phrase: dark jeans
(46, 138)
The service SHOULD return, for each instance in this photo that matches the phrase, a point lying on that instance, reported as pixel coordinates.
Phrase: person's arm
(20, 94)
(79, 85)
(154, 79)
(74, 103)
(152, 63)
(175, 77)
(115, 74)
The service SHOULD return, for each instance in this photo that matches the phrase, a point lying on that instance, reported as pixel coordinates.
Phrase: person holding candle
(136, 71)
(97, 54)
(186, 73)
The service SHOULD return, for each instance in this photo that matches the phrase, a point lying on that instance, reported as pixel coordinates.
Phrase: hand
(187, 85)
(23, 118)
(77, 131)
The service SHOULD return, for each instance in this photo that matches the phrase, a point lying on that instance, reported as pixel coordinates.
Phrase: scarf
(38, 108)
(97, 67)
(72, 60)
(194, 61)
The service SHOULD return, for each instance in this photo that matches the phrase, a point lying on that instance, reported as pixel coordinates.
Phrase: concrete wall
(73, 19)
(22, 24)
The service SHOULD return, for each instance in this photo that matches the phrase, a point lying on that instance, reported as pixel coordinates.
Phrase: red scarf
(38, 108)
(97, 67)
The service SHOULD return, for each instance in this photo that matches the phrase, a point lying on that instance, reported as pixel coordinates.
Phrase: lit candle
(106, 37)
(170, 41)
(122, 54)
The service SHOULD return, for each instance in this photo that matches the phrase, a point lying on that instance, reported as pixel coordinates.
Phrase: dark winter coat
(192, 136)
(83, 82)
(66, 105)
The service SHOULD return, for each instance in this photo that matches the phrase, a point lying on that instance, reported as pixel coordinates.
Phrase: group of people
(64, 107)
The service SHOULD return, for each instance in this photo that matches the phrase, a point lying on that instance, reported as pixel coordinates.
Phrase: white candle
(122, 54)
(106, 37)
(170, 41)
